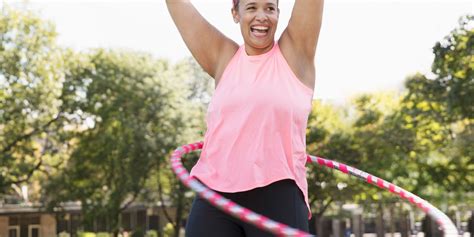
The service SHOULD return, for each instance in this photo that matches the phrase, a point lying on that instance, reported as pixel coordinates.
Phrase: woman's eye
(271, 9)
(251, 8)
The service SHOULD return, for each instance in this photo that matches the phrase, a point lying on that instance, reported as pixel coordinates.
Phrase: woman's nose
(261, 16)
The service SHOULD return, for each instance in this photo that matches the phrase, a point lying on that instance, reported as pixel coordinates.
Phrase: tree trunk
(114, 221)
(470, 224)
(337, 231)
(404, 224)
(379, 223)
(179, 210)
(319, 219)
(392, 221)
(357, 223)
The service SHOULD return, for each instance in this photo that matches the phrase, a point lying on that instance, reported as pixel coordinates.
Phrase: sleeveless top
(256, 126)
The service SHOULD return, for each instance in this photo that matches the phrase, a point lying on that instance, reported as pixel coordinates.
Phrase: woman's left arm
(298, 41)
(302, 32)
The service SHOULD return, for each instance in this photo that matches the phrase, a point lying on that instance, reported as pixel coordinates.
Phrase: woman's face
(258, 23)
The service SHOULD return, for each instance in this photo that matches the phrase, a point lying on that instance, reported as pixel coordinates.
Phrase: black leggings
(281, 201)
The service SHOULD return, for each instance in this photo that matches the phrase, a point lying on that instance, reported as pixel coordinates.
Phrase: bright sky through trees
(364, 46)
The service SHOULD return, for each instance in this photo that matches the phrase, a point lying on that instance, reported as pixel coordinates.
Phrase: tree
(132, 115)
(454, 69)
(440, 109)
(198, 87)
(33, 70)
(328, 135)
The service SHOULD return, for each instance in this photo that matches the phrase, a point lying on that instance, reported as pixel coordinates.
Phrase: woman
(254, 147)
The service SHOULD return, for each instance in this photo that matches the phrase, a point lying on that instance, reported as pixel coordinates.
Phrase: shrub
(103, 234)
(64, 234)
(138, 233)
(151, 233)
(86, 234)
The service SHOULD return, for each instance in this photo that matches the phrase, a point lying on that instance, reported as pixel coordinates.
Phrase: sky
(364, 46)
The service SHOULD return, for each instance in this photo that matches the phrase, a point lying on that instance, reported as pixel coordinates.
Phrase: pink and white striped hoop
(231, 208)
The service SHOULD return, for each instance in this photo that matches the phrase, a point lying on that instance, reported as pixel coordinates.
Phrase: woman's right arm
(210, 47)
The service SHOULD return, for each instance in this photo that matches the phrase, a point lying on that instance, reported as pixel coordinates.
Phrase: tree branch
(160, 194)
(26, 136)
(325, 206)
(36, 167)
(30, 173)
(312, 200)
(125, 206)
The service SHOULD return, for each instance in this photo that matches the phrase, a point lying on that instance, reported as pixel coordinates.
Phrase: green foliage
(33, 71)
(103, 234)
(327, 137)
(168, 230)
(138, 233)
(197, 87)
(439, 112)
(86, 234)
(131, 109)
(64, 234)
(454, 69)
(151, 233)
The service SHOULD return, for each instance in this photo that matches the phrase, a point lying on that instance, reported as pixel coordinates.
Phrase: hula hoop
(279, 229)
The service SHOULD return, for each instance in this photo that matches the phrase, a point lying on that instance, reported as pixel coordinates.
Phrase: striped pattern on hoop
(443, 221)
(280, 229)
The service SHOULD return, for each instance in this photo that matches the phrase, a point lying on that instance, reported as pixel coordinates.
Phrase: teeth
(260, 28)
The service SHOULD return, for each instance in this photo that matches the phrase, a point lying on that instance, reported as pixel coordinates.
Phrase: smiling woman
(258, 27)
(254, 146)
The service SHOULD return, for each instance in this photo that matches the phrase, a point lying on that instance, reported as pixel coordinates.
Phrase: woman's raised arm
(300, 38)
(210, 47)
(303, 28)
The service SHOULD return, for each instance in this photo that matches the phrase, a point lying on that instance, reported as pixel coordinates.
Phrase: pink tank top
(256, 126)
